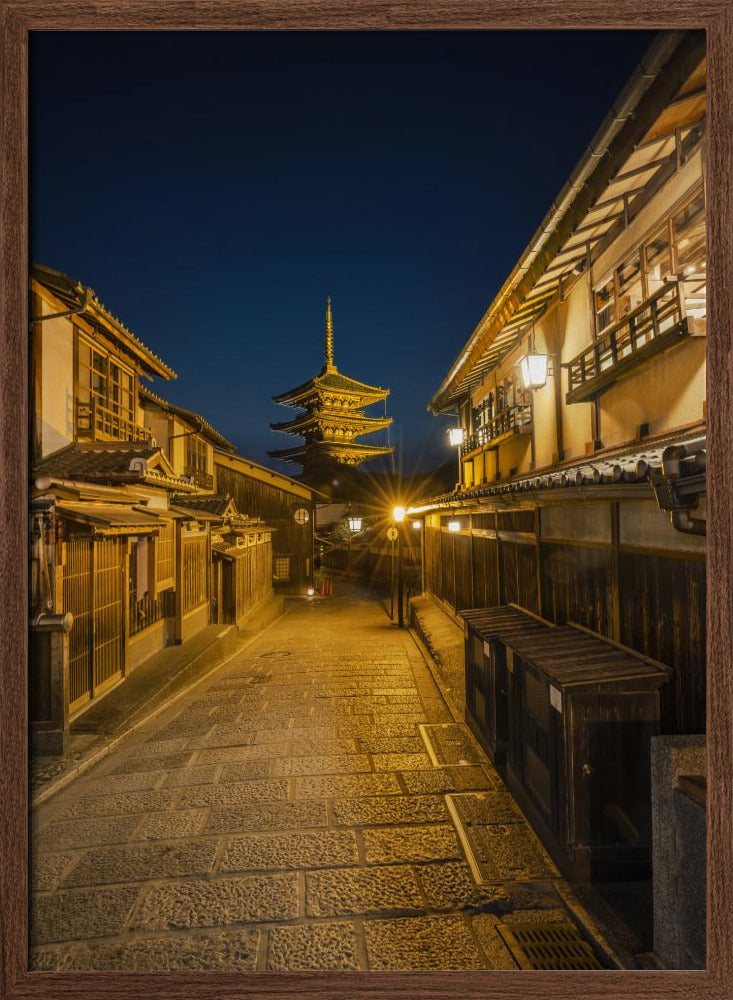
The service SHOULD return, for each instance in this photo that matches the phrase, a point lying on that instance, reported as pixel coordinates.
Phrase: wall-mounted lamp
(533, 367)
(416, 525)
(456, 436)
(454, 526)
(354, 523)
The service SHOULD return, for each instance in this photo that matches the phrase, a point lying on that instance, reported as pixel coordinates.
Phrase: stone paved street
(289, 813)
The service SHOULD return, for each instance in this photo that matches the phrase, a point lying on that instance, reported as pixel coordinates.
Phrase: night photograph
(368, 492)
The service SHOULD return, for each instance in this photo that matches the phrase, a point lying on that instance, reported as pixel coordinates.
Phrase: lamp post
(398, 516)
(354, 523)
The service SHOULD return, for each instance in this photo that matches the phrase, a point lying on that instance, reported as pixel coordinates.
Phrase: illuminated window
(281, 569)
(107, 386)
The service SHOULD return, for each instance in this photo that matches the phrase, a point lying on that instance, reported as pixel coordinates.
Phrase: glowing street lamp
(398, 516)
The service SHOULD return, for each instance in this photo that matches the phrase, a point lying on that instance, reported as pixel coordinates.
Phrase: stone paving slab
(47, 870)
(340, 785)
(332, 946)
(391, 845)
(359, 891)
(81, 913)
(219, 902)
(86, 833)
(390, 810)
(141, 862)
(234, 951)
(281, 852)
(422, 943)
(233, 793)
(342, 764)
(119, 804)
(266, 816)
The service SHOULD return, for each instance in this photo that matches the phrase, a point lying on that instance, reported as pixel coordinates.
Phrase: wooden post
(178, 628)
(126, 609)
(615, 622)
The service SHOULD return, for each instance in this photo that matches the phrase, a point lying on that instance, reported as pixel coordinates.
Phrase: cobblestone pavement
(292, 812)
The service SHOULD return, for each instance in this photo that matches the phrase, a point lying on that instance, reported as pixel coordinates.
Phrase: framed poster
(622, 297)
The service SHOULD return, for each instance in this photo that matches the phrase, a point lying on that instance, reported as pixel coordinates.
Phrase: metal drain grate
(548, 946)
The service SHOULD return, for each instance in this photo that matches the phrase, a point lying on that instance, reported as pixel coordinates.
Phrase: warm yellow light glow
(454, 526)
(398, 514)
(311, 592)
(533, 369)
(416, 525)
(455, 436)
(354, 524)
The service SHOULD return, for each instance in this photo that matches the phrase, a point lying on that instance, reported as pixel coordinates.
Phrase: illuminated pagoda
(331, 418)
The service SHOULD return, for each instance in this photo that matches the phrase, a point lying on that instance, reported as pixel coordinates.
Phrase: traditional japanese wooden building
(331, 419)
(125, 556)
(580, 396)
(287, 505)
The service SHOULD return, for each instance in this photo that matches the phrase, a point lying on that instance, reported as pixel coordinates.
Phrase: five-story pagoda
(331, 418)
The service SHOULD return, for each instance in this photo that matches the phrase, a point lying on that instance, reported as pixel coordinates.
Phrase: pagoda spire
(330, 366)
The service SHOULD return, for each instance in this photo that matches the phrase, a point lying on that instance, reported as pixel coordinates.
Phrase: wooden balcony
(204, 480)
(513, 420)
(656, 325)
(95, 422)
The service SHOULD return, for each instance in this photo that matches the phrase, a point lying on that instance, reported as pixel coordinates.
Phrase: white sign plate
(556, 698)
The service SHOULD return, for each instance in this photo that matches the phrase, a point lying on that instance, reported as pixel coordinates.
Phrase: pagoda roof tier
(331, 451)
(328, 383)
(333, 417)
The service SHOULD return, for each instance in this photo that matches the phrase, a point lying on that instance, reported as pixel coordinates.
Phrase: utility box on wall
(568, 717)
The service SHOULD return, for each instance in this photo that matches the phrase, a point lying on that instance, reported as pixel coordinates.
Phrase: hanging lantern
(354, 523)
(533, 369)
(455, 436)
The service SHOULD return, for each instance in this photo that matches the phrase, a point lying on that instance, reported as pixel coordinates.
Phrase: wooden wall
(276, 507)
(649, 599)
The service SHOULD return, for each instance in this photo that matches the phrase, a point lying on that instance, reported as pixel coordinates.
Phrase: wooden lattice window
(194, 566)
(165, 557)
(281, 568)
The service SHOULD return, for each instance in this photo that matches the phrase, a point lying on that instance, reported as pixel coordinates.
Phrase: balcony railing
(513, 420)
(658, 323)
(99, 423)
(204, 480)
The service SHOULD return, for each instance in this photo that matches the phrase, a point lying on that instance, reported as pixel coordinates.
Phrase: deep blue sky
(213, 188)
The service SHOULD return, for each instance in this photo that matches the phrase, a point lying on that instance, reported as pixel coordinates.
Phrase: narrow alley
(311, 805)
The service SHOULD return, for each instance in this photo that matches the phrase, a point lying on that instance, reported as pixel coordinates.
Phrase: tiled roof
(111, 461)
(204, 426)
(217, 504)
(638, 466)
(72, 292)
(108, 515)
(96, 458)
(333, 380)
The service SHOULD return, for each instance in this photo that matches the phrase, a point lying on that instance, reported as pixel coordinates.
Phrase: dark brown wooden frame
(18, 17)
